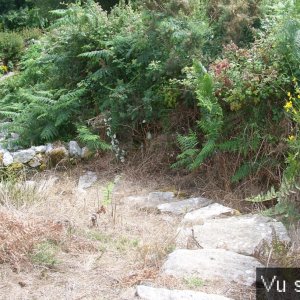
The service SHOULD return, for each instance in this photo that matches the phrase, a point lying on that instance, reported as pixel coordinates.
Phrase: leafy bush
(11, 47)
(91, 62)
(242, 100)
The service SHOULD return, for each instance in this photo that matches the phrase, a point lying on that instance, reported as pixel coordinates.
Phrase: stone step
(151, 293)
(241, 234)
(183, 206)
(215, 210)
(212, 264)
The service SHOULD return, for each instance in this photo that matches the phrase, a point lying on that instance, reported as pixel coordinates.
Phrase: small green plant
(91, 140)
(108, 193)
(194, 282)
(44, 254)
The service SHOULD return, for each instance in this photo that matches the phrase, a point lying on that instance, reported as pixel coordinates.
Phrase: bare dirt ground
(105, 261)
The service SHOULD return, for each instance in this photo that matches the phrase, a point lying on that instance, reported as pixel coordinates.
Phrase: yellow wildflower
(288, 105)
(4, 69)
(298, 96)
(289, 94)
(292, 138)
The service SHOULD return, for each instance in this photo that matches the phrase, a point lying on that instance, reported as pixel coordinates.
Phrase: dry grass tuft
(19, 236)
(280, 254)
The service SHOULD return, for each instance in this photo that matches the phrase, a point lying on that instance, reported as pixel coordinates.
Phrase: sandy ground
(125, 248)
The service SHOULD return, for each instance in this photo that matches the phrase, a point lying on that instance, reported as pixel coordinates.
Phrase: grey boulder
(23, 156)
(7, 159)
(74, 149)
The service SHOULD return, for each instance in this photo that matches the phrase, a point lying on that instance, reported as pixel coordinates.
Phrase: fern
(90, 139)
(284, 206)
(206, 150)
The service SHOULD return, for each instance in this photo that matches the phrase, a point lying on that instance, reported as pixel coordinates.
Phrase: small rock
(150, 293)
(212, 264)
(87, 180)
(40, 149)
(49, 148)
(34, 163)
(241, 234)
(74, 149)
(197, 217)
(183, 206)
(23, 156)
(7, 159)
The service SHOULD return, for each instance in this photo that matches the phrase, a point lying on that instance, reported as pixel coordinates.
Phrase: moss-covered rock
(58, 154)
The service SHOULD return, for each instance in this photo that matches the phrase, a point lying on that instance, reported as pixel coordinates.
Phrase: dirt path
(105, 261)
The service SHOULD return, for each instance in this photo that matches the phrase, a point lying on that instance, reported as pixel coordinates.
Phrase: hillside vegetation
(223, 75)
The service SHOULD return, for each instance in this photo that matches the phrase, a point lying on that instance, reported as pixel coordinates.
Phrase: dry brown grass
(19, 235)
(106, 260)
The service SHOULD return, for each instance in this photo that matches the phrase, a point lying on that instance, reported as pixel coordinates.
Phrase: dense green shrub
(91, 62)
(11, 47)
(248, 101)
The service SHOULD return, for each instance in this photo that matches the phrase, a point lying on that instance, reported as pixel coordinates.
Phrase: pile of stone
(41, 156)
(213, 243)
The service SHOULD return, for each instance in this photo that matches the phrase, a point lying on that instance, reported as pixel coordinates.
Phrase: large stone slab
(197, 217)
(150, 201)
(150, 293)
(212, 264)
(241, 234)
(23, 156)
(183, 206)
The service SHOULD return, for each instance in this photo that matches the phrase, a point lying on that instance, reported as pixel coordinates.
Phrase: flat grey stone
(39, 149)
(23, 156)
(241, 234)
(87, 180)
(183, 206)
(151, 200)
(151, 293)
(197, 217)
(74, 149)
(212, 264)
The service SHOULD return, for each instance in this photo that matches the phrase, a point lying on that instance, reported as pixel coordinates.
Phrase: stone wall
(43, 156)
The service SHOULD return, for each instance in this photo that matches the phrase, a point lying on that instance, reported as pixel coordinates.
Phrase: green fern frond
(208, 148)
(91, 140)
(49, 132)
